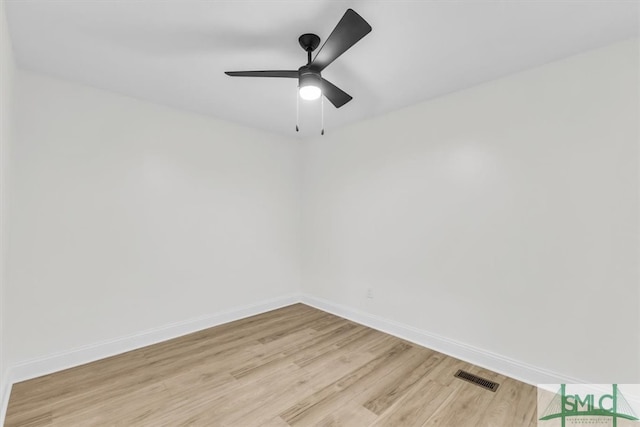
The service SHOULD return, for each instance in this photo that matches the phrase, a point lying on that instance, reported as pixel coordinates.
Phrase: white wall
(504, 217)
(129, 216)
(7, 70)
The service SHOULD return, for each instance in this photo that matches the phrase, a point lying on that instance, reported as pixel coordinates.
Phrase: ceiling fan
(311, 85)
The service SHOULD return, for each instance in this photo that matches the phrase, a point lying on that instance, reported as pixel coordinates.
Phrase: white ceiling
(174, 52)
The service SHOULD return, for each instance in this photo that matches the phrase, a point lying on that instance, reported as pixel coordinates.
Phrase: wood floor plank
(465, 407)
(357, 343)
(387, 396)
(131, 407)
(294, 366)
(311, 410)
(316, 377)
(516, 404)
(273, 422)
(226, 406)
(415, 408)
(314, 345)
(350, 415)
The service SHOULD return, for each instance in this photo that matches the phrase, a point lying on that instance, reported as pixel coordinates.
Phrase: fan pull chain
(297, 110)
(322, 113)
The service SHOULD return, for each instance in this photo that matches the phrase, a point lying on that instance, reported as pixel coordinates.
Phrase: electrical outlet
(370, 293)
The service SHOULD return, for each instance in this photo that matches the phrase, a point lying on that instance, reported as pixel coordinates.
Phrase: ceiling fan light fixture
(310, 92)
(309, 85)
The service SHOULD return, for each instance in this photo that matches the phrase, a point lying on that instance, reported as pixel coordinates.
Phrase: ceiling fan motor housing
(309, 77)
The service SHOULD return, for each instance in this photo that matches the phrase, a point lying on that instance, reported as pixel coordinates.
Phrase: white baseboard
(503, 365)
(5, 387)
(56, 362)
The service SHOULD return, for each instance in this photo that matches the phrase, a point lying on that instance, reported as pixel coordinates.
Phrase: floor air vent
(482, 382)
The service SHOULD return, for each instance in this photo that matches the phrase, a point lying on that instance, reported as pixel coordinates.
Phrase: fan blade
(337, 96)
(351, 28)
(273, 73)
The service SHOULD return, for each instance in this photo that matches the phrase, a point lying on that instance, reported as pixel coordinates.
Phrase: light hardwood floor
(296, 366)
